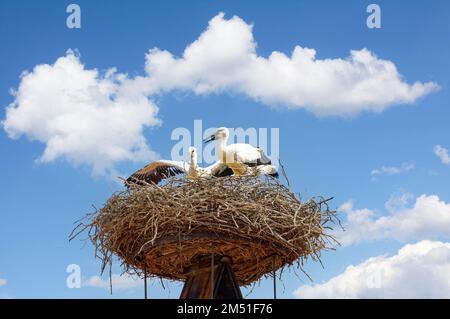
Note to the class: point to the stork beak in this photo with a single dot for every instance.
(209, 139)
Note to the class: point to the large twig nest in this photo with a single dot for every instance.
(166, 229)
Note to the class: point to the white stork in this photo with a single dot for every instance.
(161, 169)
(243, 159)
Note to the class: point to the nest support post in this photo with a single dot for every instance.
(211, 278)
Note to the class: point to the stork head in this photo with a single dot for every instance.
(222, 133)
(193, 154)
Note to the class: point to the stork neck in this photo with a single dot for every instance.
(193, 161)
(221, 145)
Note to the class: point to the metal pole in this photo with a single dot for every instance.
(145, 283)
(110, 276)
(212, 271)
(274, 278)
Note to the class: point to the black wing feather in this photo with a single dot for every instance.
(262, 160)
(226, 171)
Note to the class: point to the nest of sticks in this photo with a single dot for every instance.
(166, 229)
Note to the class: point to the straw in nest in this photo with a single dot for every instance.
(166, 229)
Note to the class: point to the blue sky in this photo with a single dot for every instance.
(330, 154)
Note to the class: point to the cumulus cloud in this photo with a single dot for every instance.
(3, 282)
(428, 218)
(81, 115)
(119, 282)
(420, 270)
(98, 118)
(224, 58)
(442, 153)
(392, 170)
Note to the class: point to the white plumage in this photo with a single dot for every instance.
(241, 157)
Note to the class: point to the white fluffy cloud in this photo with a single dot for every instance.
(442, 153)
(428, 218)
(420, 270)
(391, 170)
(86, 117)
(3, 282)
(224, 58)
(119, 282)
(81, 115)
